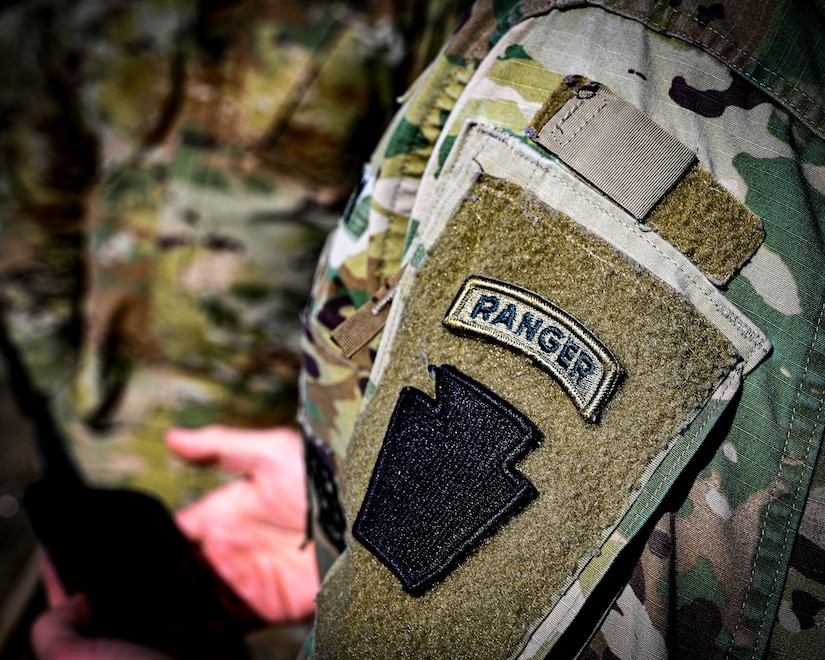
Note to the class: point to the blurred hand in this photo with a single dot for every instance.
(55, 593)
(58, 635)
(253, 530)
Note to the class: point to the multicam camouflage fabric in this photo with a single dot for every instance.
(169, 171)
(733, 562)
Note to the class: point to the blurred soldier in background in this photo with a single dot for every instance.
(169, 170)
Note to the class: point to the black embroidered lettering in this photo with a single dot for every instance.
(526, 323)
(485, 306)
(583, 367)
(507, 316)
(567, 353)
(553, 344)
(529, 330)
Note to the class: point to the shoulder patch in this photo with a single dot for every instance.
(444, 481)
(526, 323)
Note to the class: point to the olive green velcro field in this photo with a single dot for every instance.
(708, 225)
(516, 249)
(618, 149)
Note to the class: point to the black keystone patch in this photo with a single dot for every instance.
(444, 481)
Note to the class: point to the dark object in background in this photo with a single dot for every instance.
(145, 584)
(145, 580)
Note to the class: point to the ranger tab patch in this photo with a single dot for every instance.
(527, 323)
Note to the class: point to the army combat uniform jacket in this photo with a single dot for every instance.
(563, 374)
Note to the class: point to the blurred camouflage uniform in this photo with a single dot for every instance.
(169, 171)
(714, 546)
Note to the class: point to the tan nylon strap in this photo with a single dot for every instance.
(354, 333)
(616, 147)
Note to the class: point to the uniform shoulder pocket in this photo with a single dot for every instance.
(548, 369)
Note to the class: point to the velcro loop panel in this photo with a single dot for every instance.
(708, 225)
(618, 149)
(584, 473)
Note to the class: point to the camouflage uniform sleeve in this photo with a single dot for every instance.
(728, 563)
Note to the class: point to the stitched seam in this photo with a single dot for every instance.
(436, 99)
(786, 539)
(580, 128)
(674, 466)
(739, 325)
(730, 62)
(798, 486)
(752, 60)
